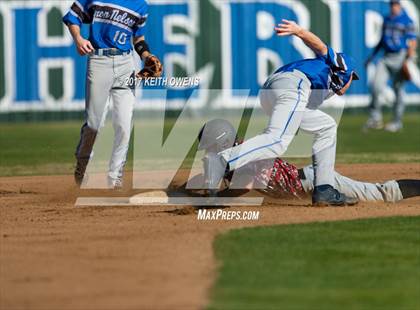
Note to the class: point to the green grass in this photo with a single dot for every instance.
(37, 148)
(47, 148)
(352, 140)
(363, 264)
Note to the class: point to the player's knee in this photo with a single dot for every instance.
(123, 134)
(377, 88)
(333, 128)
(125, 137)
(273, 134)
(330, 126)
(378, 85)
(329, 131)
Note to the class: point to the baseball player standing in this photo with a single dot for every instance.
(287, 97)
(399, 43)
(115, 26)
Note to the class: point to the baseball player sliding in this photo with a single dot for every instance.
(399, 43)
(280, 179)
(115, 26)
(290, 97)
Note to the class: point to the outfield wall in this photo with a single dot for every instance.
(228, 44)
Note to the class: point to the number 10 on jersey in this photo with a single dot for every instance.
(120, 37)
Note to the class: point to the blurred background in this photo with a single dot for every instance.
(229, 45)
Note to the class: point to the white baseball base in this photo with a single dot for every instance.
(154, 197)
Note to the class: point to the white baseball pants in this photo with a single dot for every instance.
(388, 67)
(106, 81)
(285, 98)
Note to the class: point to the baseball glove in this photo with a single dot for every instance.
(152, 68)
(282, 180)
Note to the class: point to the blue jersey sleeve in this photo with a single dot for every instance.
(78, 13)
(140, 28)
(331, 58)
(411, 33)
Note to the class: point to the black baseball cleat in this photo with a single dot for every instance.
(328, 196)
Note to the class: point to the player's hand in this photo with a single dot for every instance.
(287, 28)
(84, 47)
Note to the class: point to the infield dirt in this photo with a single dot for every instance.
(56, 256)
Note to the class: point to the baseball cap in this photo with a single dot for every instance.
(349, 65)
(343, 70)
(395, 2)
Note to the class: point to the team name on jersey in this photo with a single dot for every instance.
(108, 13)
(115, 15)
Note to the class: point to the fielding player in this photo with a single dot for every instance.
(115, 25)
(290, 97)
(280, 179)
(399, 43)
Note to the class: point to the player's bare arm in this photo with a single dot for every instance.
(343, 90)
(84, 47)
(287, 28)
(412, 47)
